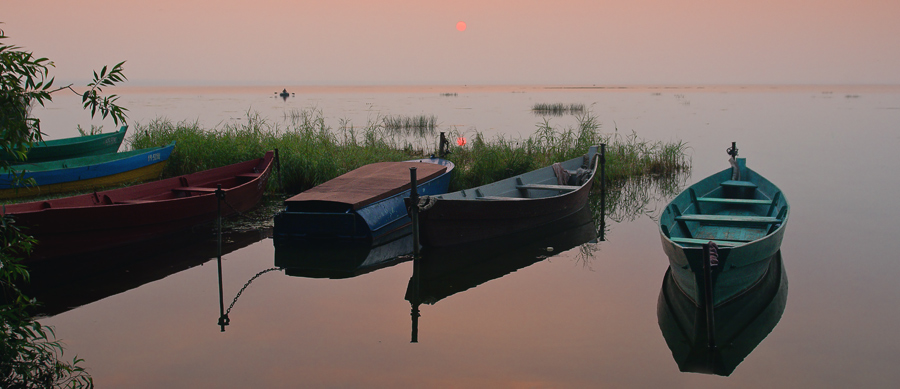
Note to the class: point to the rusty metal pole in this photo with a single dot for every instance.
(220, 196)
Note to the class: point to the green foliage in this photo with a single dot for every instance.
(30, 357)
(91, 99)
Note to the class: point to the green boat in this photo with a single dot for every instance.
(739, 217)
(80, 146)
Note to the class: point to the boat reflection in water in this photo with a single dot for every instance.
(740, 324)
(64, 284)
(313, 260)
(443, 271)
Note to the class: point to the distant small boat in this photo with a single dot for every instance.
(284, 93)
(104, 220)
(80, 146)
(85, 173)
(365, 205)
(740, 211)
(740, 324)
(518, 203)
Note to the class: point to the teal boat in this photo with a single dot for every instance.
(81, 146)
(740, 216)
(85, 173)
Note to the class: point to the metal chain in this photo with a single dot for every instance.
(247, 285)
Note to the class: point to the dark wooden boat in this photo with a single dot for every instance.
(84, 173)
(504, 207)
(364, 205)
(113, 218)
(738, 210)
(80, 146)
(739, 325)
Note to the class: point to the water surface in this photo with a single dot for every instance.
(584, 317)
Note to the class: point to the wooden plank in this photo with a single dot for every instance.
(194, 189)
(704, 241)
(500, 198)
(548, 187)
(738, 184)
(733, 201)
(729, 219)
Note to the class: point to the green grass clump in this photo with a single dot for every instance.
(411, 125)
(488, 161)
(310, 152)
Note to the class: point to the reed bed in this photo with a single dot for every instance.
(557, 109)
(626, 156)
(312, 153)
(420, 125)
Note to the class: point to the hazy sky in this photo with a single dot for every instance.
(404, 42)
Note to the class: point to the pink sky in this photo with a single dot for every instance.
(414, 42)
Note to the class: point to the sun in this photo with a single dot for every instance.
(461, 26)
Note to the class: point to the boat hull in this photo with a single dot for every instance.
(67, 148)
(363, 223)
(120, 217)
(500, 209)
(87, 173)
(740, 325)
(740, 263)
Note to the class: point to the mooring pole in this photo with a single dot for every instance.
(414, 210)
(220, 196)
(414, 216)
(602, 192)
(708, 254)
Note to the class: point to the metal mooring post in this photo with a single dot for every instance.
(414, 210)
(220, 196)
(603, 192)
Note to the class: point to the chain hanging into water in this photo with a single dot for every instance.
(245, 287)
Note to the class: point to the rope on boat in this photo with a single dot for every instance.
(426, 202)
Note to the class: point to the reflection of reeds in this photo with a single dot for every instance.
(557, 109)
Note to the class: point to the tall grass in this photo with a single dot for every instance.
(312, 153)
(626, 156)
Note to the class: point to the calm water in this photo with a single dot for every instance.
(585, 317)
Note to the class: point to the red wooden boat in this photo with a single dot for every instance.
(103, 220)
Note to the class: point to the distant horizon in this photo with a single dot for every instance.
(407, 42)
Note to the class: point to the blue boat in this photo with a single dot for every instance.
(365, 205)
(84, 173)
